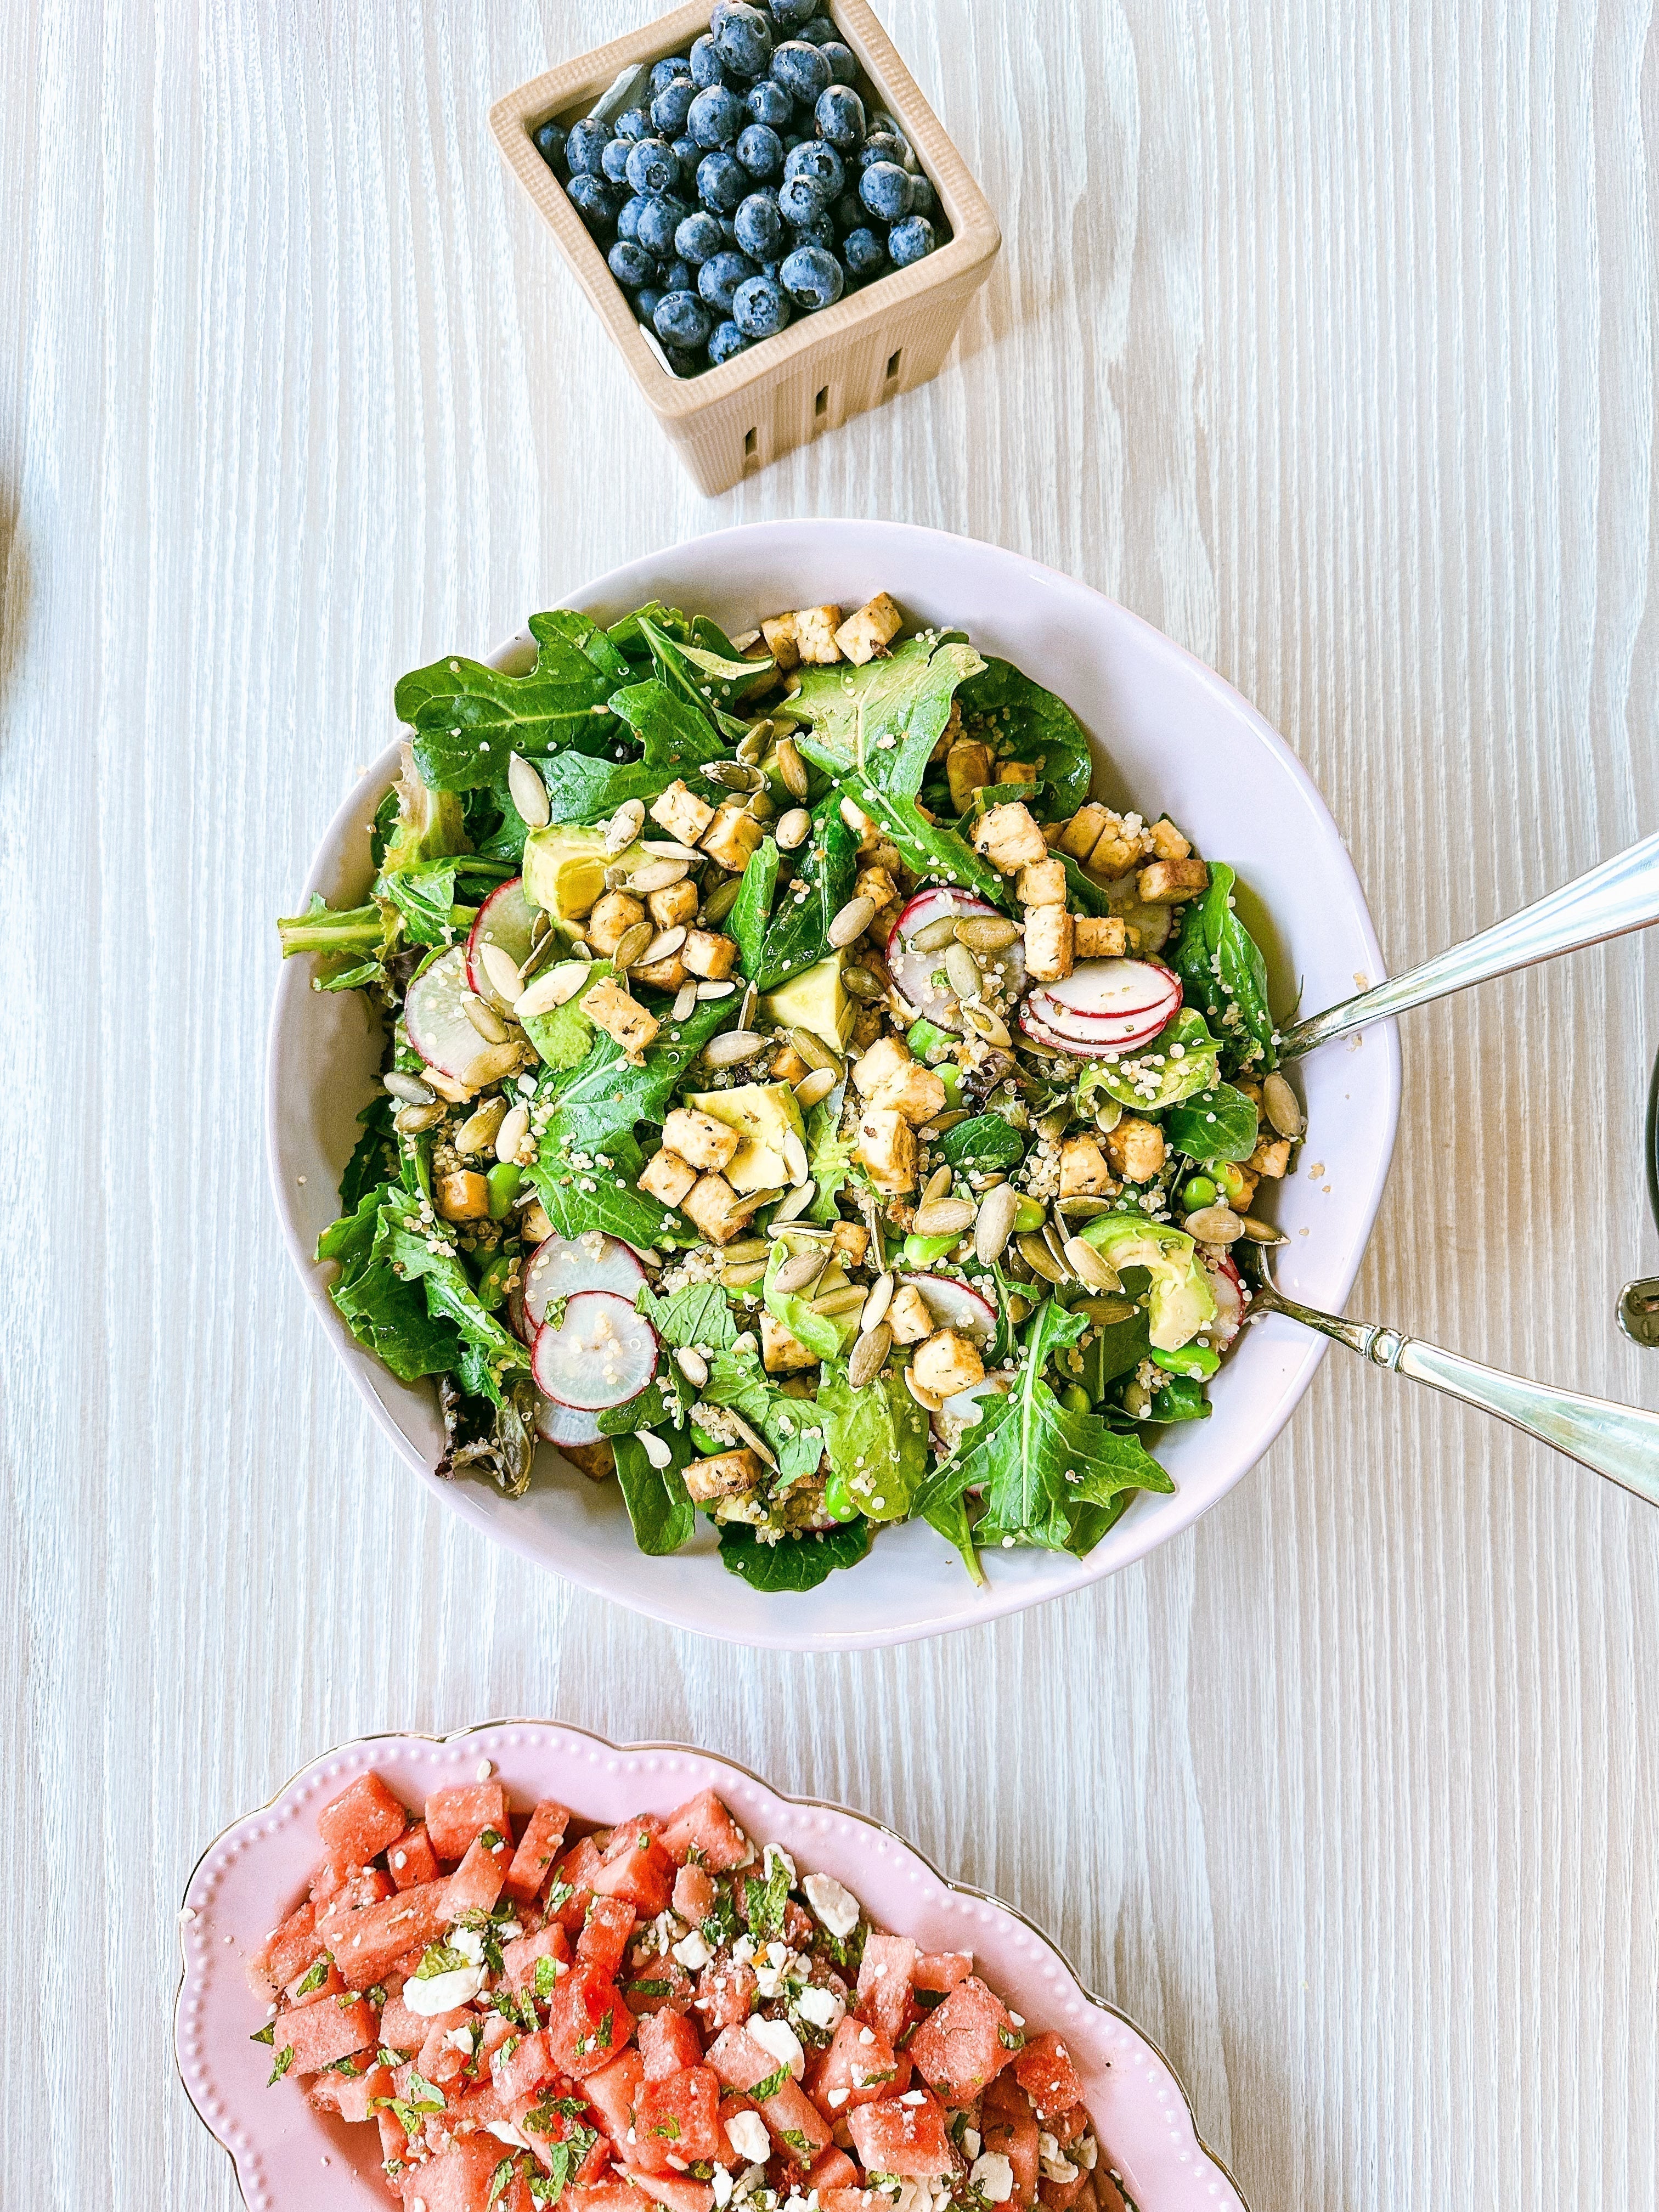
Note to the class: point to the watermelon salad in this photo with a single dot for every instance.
(802, 1104)
(531, 2011)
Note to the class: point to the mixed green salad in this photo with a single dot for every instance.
(802, 1104)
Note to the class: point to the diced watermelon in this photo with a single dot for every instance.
(456, 1814)
(703, 1822)
(1004, 2097)
(739, 2061)
(964, 2044)
(608, 2195)
(524, 2068)
(854, 2199)
(668, 2041)
(539, 1847)
(831, 2169)
(796, 2123)
(727, 1994)
(1016, 2138)
(365, 1944)
(401, 2028)
(458, 2180)
(886, 1975)
(680, 2193)
(613, 2091)
(538, 2120)
(604, 1936)
(1061, 2196)
(658, 1983)
(319, 2034)
(855, 2070)
(394, 2144)
(288, 1950)
(681, 2112)
(903, 2138)
(799, 1929)
(943, 1970)
(358, 1825)
(329, 1879)
(642, 1871)
(575, 1872)
(1044, 2069)
(518, 1957)
(438, 2059)
(357, 2094)
(694, 1894)
(411, 1860)
(477, 1883)
(587, 2022)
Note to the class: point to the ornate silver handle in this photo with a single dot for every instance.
(1622, 894)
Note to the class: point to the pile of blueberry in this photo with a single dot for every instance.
(752, 185)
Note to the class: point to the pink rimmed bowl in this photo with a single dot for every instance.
(1169, 733)
(289, 2159)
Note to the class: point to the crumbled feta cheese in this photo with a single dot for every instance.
(993, 2177)
(781, 2040)
(504, 2131)
(743, 1950)
(469, 1942)
(914, 2097)
(821, 2009)
(746, 2133)
(461, 2038)
(972, 2141)
(436, 1993)
(720, 2182)
(693, 1953)
(1053, 2161)
(837, 1907)
(775, 1857)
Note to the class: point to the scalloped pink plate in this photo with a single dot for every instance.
(289, 2159)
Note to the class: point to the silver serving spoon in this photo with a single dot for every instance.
(1639, 1312)
(1620, 1442)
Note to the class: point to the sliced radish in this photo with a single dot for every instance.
(505, 919)
(1229, 1287)
(1086, 1034)
(953, 1305)
(564, 1267)
(564, 1424)
(1107, 990)
(602, 1353)
(435, 1014)
(1035, 1030)
(912, 970)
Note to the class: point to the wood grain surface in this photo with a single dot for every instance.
(1324, 336)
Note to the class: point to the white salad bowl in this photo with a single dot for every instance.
(1169, 735)
(286, 2155)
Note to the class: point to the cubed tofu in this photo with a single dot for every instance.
(622, 1017)
(661, 975)
(1014, 771)
(732, 838)
(908, 1315)
(1270, 1159)
(1135, 1148)
(815, 634)
(727, 1474)
(888, 1057)
(668, 1177)
(875, 884)
(535, 1223)
(463, 1196)
(780, 1352)
(707, 1144)
(1049, 944)
(1117, 848)
(1100, 937)
(676, 904)
(1010, 839)
(886, 1150)
(1085, 831)
(861, 825)
(915, 1091)
(1083, 1169)
(862, 635)
(610, 920)
(967, 769)
(708, 956)
(780, 635)
(1166, 882)
(787, 1066)
(1041, 882)
(597, 1462)
(1052, 834)
(681, 814)
(850, 1242)
(947, 1363)
(1167, 841)
(716, 1209)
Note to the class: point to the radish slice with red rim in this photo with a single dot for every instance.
(1039, 1035)
(1107, 990)
(954, 1305)
(505, 919)
(564, 1424)
(602, 1353)
(563, 1266)
(1229, 1287)
(435, 1014)
(912, 970)
(1088, 1034)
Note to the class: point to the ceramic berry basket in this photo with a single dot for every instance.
(288, 2157)
(784, 391)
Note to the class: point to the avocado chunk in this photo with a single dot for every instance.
(1181, 1301)
(815, 1000)
(762, 1114)
(564, 869)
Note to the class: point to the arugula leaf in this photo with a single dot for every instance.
(676, 740)
(798, 937)
(1117, 1350)
(450, 1296)
(928, 848)
(753, 908)
(1219, 1124)
(425, 898)
(797, 1563)
(374, 1156)
(695, 675)
(657, 1403)
(576, 1200)
(877, 1439)
(698, 1315)
(389, 1317)
(884, 718)
(1221, 967)
(949, 1518)
(658, 1506)
(987, 1142)
(336, 930)
(792, 1426)
(607, 1096)
(1025, 722)
(468, 718)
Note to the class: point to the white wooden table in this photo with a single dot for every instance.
(1324, 338)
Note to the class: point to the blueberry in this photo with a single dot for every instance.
(761, 309)
(634, 125)
(727, 340)
(688, 154)
(678, 275)
(822, 233)
(723, 184)
(840, 117)
(549, 145)
(802, 201)
(717, 115)
(728, 224)
(760, 226)
(593, 200)
(885, 191)
(770, 104)
(613, 162)
(923, 200)
(698, 238)
(882, 146)
(646, 303)
(819, 31)
(813, 277)
(685, 360)
(707, 67)
(848, 213)
(820, 164)
(682, 319)
(843, 69)
(584, 150)
(671, 105)
(673, 69)
(744, 39)
(761, 150)
(718, 280)
(863, 253)
(794, 139)
(628, 221)
(794, 12)
(801, 70)
(631, 266)
(910, 240)
(658, 222)
(651, 167)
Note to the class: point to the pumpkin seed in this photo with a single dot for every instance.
(1083, 1209)
(501, 972)
(735, 1047)
(792, 768)
(686, 1001)
(875, 1305)
(747, 1248)
(664, 848)
(779, 1227)
(1052, 1125)
(746, 1011)
(794, 829)
(1284, 1108)
(941, 1122)
(869, 1355)
(657, 875)
(733, 775)
(692, 1365)
(655, 1449)
(1056, 1244)
(486, 1022)
(723, 989)
(850, 924)
(408, 1088)
(1263, 1232)
(1086, 1264)
(795, 1274)
(753, 746)
(1039, 1259)
(550, 990)
(796, 1204)
(989, 1028)
(478, 1132)
(938, 1185)
(813, 1049)
(662, 947)
(409, 1120)
(1105, 1312)
(945, 1217)
(1018, 1308)
(539, 928)
(935, 937)
(632, 946)
(740, 1277)
(720, 900)
(1214, 1225)
(925, 1398)
(528, 791)
(865, 987)
(515, 1127)
(848, 1300)
(795, 1158)
(995, 1223)
(624, 826)
(754, 1439)
(1107, 1115)
(810, 1088)
(963, 971)
(760, 805)
(985, 933)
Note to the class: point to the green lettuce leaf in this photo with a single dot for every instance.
(985, 1142)
(700, 1315)
(388, 1316)
(578, 1199)
(797, 1563)
(792, 1426)
(1222, 970)
(825, 1335)
(885, 718)
(1156, 1078)
(1217, 1124)
(607, 1096)
(1022, 721)
(799, 935)
(752, 910)
(658, 1506)
(877, 1439)
(469, 719)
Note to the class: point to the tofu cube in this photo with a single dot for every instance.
(888, 1057)
(674, 905)
(787, 1066)
(661, 975)
(597, 1462)
(850, 1243)
(1042, 883)
(707, 1144)
(1099, 940)
(913, 1090)
(681, 814)
(967, 768)
(1010, 839)
(815, 634)
(1083, 1169)
(537, 1226)
(780, 635)
(622, 1017)
(1167, 841)
(1135, 1148)
(1049, 944)
(732, 838)
(463, 1196)
(715, 1208)
(1117, 848)
(708, 956)
(780, 1352)
(862, 635)
(727, 1474)
(886, 1150)
(1167, 883)
(610, 920)
(908, 1316)
(1052, 834)
(875, 884)
(947, 1363)
(1270, 1158)
(668, 1177)
(1085, 831)
(1012, 771)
